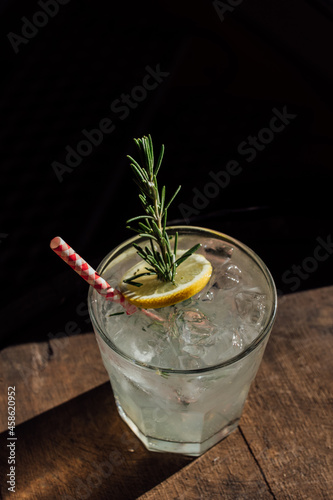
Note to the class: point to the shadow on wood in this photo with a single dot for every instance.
(82, 449)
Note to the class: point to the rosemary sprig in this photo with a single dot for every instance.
(159, 255)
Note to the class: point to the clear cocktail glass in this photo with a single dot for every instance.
(181, 377)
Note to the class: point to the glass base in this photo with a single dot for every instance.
(183, 448)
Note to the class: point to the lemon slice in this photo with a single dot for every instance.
(192, 276)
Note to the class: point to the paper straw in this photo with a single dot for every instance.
(79, 265)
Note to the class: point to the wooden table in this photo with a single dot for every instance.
(71, 442)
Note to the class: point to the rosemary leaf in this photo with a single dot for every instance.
(134, 162)
(152, 225)
(165, 220)
(135, 276)
(148, 251)
(141, 174)
(174, 196)
(151, 211)
(162, 200)
(175, 246)
(187, 254)
(133, 283)
(144, 235)
(140, 217)
(143, 227)
(157, 229)
(159, 161)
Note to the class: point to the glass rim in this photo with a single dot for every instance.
(266, 329)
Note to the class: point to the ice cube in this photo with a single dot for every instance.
(190, 391)
(141, 350)
(207, 295)
(222, 251)
(189, 362)
(197, 329)
(230, 277)
(170, 326)
(209, 356)
(198, 334)
(237, 338)
(250, 306)
(193, 350)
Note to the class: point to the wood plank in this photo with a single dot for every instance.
(227, 471)
(288, 418)
(82, 449)
(47, 374)
(282, 449)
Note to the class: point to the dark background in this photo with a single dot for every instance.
(228, 69)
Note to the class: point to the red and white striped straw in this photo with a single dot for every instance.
(68, 255)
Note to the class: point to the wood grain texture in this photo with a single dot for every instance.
(47, 374)
(287, 421)
(227, 471)
(82, 449)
